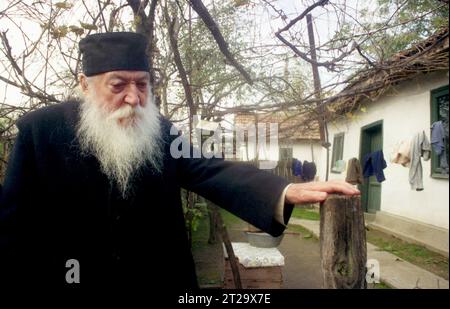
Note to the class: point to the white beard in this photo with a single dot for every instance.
(121, 150)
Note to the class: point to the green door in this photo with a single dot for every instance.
(371, 140)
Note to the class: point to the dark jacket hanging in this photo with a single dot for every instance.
(354, 172)
(309, 171)
(374, 164)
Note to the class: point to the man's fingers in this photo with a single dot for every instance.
(313, 192)
(344, 187)
(337, 186)
(314, 196)
(300, 196)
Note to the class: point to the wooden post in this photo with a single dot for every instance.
(213, 211)
(234, 262)
(343, 250)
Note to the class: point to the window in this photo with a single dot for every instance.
(439, 112)
(338, 150)
(285, 154)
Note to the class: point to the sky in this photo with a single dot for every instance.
(265, 20)
(325, 19)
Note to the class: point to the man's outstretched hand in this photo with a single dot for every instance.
(313, 192)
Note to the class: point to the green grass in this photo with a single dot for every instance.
(413, 253)
(201, 235)
(229, 219)
(206, 256)
(380, 285)
(302, 213)
(306, 234)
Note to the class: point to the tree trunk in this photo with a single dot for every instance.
(343, 243)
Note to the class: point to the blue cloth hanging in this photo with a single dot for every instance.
(374, 164)
(296, 167)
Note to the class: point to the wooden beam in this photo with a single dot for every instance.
(343, 250)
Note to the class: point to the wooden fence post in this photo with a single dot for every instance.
(343, 250)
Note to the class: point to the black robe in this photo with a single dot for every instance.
(57, 205)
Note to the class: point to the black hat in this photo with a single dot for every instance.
(114, 51)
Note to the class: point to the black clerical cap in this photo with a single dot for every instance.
(114, 51)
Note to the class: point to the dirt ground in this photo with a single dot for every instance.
(302, 260)
(302, 268)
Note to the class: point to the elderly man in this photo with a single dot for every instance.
(91, 185)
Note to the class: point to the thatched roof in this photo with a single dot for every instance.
(369, 84)
(427, 56)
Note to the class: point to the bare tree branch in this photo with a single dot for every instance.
(151, 39)
(202, 11)
(10, 82)
(8, 53)
(181, 70)
(302, 15)
(330, 65)
(25, 83)
(142, 20)
(101, 14)
(358, 48)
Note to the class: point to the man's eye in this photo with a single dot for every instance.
(117, 86)
(142, 85)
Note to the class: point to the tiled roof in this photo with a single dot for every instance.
(290, 127)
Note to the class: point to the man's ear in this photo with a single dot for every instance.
(83, 82)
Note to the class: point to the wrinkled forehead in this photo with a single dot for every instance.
(128, 76)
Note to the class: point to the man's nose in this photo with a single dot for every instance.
(132, 95)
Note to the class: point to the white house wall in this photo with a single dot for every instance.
(405, 111)
(267, 151)
(302, 151)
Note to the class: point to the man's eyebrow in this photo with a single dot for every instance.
(118, 76)
(115, 76)
(144, 77)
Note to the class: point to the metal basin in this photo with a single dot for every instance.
(263, 240)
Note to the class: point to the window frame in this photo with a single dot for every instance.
(338, 137)
(434, 94)
(285, 149)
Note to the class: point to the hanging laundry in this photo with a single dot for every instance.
(309, 171)
(401, 153)
(420, 148)
(354, 172)
(339, 166)
(296, 167)
(374, 164)
(438, 143)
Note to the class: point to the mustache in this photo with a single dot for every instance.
(126, 111)
(122, 151)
